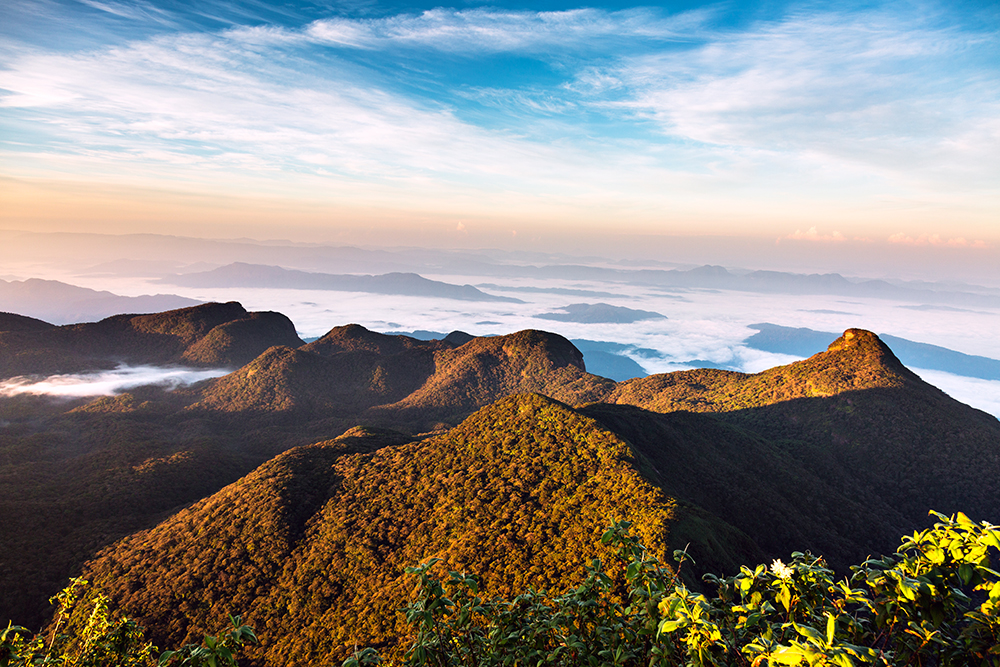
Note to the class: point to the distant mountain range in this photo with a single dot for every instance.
(61, 303)
(294, 489)
(240, 274)
(147, 253)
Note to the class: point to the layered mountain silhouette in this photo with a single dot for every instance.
(62, 303)
(241, 274)
(502, 455)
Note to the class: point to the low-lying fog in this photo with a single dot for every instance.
(107, 383)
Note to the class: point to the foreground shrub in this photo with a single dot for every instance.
(86, 633)
(933, 602)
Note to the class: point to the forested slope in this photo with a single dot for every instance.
(312, 545)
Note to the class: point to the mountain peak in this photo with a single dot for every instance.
(866, 351)
(855, 337)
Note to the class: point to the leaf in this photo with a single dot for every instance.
(668, 626)
(785, 598)
(788, 655)
(991, 538)
(809, 633)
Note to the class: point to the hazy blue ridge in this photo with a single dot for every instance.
(550, 290)
(600, 313)
(613, 366)
(767, 282)
(61, 303)
(240, 274)
(804, 342)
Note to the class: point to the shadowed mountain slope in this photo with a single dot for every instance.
(214, 334)
(486, 369)
(854, 418)
(15, 322)
(311, 546)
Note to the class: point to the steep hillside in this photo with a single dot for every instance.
(214, 334)
(857, 360)
(854, 418)
(486, 369)
(345, 372)
(758, 484)
(311, 546)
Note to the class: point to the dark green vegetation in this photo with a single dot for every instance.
(211, 500)
(311, 547)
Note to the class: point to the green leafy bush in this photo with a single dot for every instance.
(933, 602)
(86, 633)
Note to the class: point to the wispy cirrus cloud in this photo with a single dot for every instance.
(192, 106)
(630, 113)
(888, 93)
(488, 30)
(936, 240)
(135, 10)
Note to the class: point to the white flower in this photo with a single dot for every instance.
(781, 570)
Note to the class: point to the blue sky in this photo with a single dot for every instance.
(461, 123)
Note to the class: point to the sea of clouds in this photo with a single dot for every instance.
(701, 324)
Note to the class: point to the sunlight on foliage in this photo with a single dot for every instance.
(933, 602)
(86, 633)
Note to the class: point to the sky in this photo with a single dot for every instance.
(852, 128)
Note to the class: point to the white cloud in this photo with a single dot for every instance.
(813, 234)
(107, 383)
(483, 30)
(881, 92)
